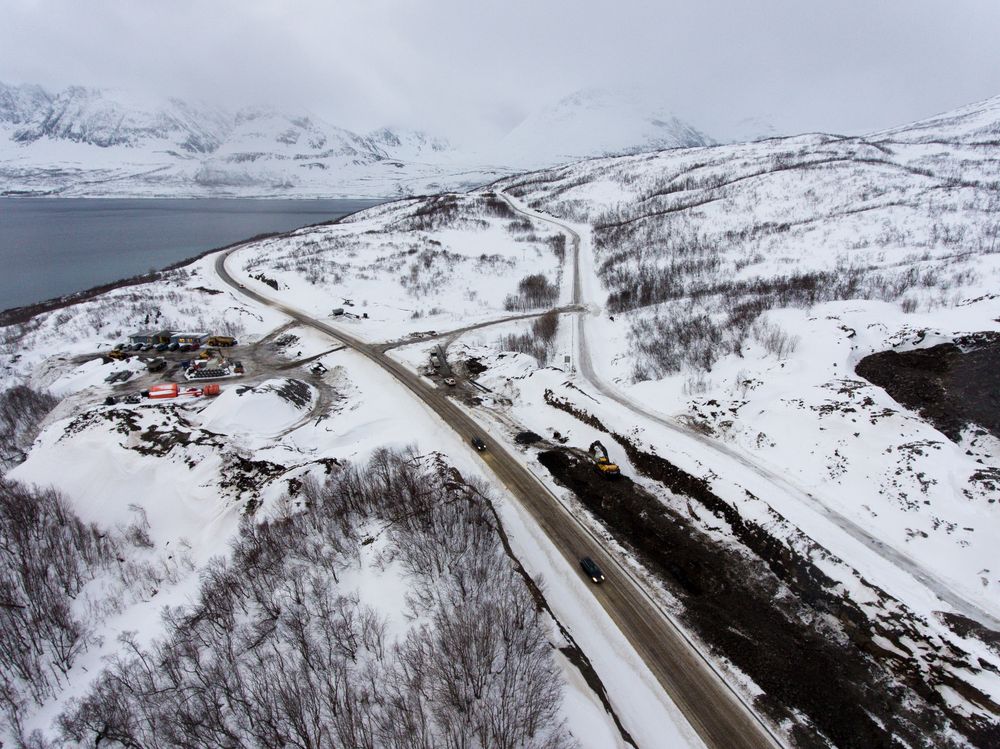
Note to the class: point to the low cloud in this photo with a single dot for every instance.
(470, 70)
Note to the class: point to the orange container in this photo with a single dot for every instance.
(211, 389)
(167, 390)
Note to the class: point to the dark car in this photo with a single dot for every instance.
(592, 570)
(174, 346)
(161, 347)
(477, 442)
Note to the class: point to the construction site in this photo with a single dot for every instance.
(190, 365)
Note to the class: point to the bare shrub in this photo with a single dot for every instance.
(533, 291)
(538, 342)
(774, 340)
(21, 411)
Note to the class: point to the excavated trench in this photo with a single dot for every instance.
(773, 613)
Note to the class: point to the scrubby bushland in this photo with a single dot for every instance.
(59, 578)
(707, 240)
(21, 411)
(277, 653)
(533, 291)
(47, 557)
(704, 311)
(406, 247)
(538, 342)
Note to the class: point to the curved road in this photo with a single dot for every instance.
(932, 582)
(711, 707)
(451, 334)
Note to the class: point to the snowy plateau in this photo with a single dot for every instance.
(789, 347)
(91, 142)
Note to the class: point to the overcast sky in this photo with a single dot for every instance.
(468, 68)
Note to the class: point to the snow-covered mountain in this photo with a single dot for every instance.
(409, 144)
(107, 119)
(596, 122)
(88, 141)
(91, 141)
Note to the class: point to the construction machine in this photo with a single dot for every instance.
(602, 464)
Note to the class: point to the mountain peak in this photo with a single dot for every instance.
(597, 122)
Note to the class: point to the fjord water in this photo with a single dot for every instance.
(50, 247)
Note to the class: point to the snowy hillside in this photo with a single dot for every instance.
(788, 347)
(90, 142)
(125, 519)
(737, 291)
(595, 122)
(412, 266)
(973, 125)
(741, 286)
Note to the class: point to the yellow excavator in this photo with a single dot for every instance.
(602, 464)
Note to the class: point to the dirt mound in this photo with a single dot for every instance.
(951, 385)
(474, 366)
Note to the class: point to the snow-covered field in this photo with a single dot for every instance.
(411, 266)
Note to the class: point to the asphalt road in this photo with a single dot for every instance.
(712, 708)
(725, 454)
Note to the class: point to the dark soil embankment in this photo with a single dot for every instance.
(951, 385)
(731, 602)
(771, 611)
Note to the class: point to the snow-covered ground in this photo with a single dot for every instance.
(181, 476)
(730, 291)
(411, 266)
(895, 250)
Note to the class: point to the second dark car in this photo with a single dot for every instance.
(592, 570)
